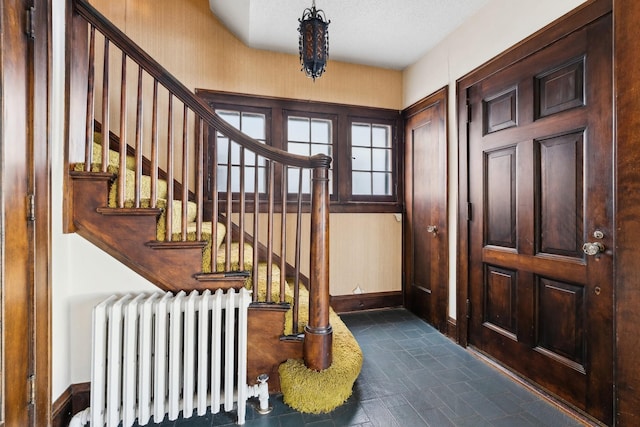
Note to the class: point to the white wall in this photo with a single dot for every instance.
(496, 27)
(94, 274)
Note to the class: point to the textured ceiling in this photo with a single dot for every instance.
(384, 33)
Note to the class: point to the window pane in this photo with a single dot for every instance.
(361, 158)
(235, 153)
(253, 125)
(221, 178)
(320, 149)
(381, 160)
(320, 131)
(298, 129)
(223, 149)
(381, 136)
(382, 184)
(298, 148)
(231, 117)
(360, 135)
(361, 183)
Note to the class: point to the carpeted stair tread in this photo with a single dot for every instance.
(129, 193)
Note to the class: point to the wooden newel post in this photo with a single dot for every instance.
(318, 334)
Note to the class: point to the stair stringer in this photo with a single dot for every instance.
(126, 235)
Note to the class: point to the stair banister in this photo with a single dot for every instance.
(318, 332)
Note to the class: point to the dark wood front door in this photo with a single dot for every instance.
(541, 231)
(426, 236)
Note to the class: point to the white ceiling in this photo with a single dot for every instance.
(383, 33)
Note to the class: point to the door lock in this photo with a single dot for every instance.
(432, 229)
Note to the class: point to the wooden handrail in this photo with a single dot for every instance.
(318, 332)
(181, 92)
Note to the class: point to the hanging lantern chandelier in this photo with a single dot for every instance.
(314, 41)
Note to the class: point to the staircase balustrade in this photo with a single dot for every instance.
(164, 132)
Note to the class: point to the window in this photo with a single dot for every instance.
(307, 137)
(362, 142)
(371, 160)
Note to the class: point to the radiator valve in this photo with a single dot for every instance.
(261, 391)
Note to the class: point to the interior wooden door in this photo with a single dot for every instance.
(540, 231)
(426, 234)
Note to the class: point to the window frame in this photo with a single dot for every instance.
(277, 111)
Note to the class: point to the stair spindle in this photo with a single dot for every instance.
(105, 107)
(123, 132)
(138, 167)
(169, 207)
(185, 171)
(154, 148)
(90, 101)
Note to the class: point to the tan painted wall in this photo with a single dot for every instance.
(190, 42)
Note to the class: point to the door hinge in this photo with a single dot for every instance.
(30, 22)
(468, 113)
(469, 211)
(32, 389)
(31, 207)
(468, 308)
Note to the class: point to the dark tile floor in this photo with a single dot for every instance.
(412, 376)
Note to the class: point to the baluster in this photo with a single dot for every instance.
(185, 171)
(200, 178)
(229, 200)
(154, 148)
(138, 167)
(270, 184)
(169, 207)
(90, 101)
(214, 201)
(122, 169)
(296, 282)
(283, 234)
(256, 212)
(241, 211)
(105, 107)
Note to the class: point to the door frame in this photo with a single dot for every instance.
(26, 282)
(572, 21)
(438, 98)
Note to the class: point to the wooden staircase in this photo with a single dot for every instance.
(165, 243)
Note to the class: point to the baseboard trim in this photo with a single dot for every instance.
(73, 400)
(368, 301)
(452, 329)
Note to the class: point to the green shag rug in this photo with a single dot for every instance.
(303, 389)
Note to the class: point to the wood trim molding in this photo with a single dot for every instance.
(368, 301)
(73, 400)
(627, 210)
(452, 329)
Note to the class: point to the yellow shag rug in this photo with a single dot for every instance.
(303, 389)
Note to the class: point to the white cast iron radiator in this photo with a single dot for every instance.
(157, 354)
